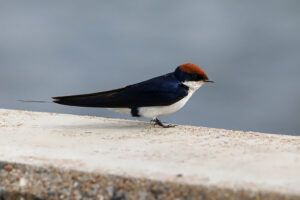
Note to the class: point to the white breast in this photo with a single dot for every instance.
(157, 111)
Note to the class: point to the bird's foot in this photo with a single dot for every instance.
(159, 123)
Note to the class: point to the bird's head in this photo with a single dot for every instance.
(191, 75)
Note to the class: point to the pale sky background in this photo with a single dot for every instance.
(250, 48)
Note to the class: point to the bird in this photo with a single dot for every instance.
(150, 99)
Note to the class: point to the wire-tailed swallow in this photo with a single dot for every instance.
(151, 99)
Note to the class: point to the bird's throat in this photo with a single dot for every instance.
(193, 85)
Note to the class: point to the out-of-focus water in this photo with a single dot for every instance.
(251, 49)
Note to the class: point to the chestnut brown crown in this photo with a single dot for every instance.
(191, 72)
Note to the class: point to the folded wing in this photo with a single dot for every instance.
(160, 91)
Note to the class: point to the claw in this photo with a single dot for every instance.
(159, 123)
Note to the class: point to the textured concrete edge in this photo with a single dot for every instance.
(20, 181)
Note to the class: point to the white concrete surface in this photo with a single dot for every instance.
(223, 158)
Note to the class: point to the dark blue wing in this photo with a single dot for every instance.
(160, 91)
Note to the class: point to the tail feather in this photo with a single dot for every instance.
(33, 101)
(100, 99)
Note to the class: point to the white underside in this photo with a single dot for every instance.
(157, 111)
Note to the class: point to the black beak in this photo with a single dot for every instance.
(209, 81)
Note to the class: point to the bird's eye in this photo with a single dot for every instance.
(195, 76)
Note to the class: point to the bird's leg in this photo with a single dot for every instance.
(159, 123)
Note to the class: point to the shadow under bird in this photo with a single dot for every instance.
(151, 99)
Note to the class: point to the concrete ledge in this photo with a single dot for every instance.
(31, 182)
(56, 156)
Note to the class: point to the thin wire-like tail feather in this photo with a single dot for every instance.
(33, 101)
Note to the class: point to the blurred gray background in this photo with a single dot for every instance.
(250, 48)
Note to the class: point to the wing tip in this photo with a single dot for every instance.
(60, 97)
(57, 100)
